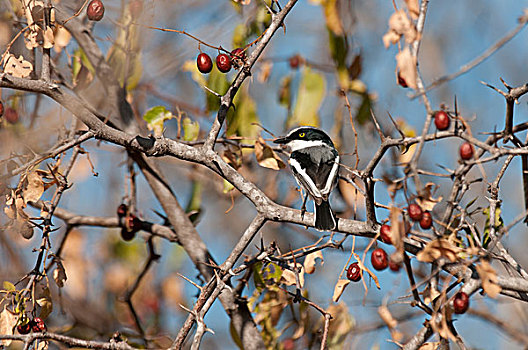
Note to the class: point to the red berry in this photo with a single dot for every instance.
(122, 210)
(223, 63)
(238, 56)
(295, 61)
(354, 272)
(11, 115)
(1, 108)
(441, 120)
(427, 220)
(466, 151)
(402, 81)
(460, 303)
(204, 63)
(37, 325)
(394, 266)
(385, 234)
(415, 212)
(288, 344)
(24, 328)
(379, 259)
(95, 10)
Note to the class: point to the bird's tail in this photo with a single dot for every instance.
(325, 219)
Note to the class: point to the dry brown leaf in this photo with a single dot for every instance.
(8, 322)
(413, 7)
(400, 25)
(49, 38)
(387, 317)
(430, 346)
(425, 199)
(243, 2)
(371, 274)
(310, 261)
(339, 289)
(266, 157)
(441, 327)
(34, 188)
(397, 231)
(430, 294)
(45, 303)
(488, 277)
(406, 67)
(62, 38)
(439, 248)
(42, 345)
(17, 67)
(265, 71)
(288, 276)
(59, 274)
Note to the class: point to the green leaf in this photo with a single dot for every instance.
(339, 51)
(8, 286)
(194, 205)
(190, 129)
(125, 54)
(310, 95)
(285, 91)
(155, 117)
(227, 186)
(363, 112)
(499, 223)
(241, 120)
(217, 81)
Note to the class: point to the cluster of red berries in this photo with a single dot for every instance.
(36, 325)
(224, 62)
(95, 10)
(379, 260)
(130, 223)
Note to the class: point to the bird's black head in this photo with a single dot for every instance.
(305, 133)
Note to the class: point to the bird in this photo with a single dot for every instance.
(314, 162)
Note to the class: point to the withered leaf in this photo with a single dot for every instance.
(59, 274)
(406, 67)
(488, 277)
(17, 67)
(45, 303)
(266, 157)
(387, 317)
(310, 261)
(8, 322)
(288, 276)
(439, 248)
(265, 71)
(426, 199)
(413, 7)
(34, 188)
(339, 289)
(399, 25)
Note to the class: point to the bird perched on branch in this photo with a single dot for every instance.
(315, 164)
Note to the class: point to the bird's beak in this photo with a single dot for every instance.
(281, 140)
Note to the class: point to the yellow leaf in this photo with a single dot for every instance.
(333, 21)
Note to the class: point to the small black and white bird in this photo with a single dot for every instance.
(315, 165)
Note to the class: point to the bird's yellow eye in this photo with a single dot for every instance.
(301, 134)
